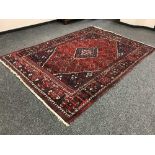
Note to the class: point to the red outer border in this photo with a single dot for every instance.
(107, 88)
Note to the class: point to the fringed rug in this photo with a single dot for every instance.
(69, 73)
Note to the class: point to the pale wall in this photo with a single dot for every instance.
(140, 22)
(9, 24)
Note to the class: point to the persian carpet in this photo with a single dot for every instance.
(69, 73)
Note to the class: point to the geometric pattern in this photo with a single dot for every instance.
(71, 72)
(86, 52)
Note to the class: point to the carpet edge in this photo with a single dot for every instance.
(123, 36)
(37, 96)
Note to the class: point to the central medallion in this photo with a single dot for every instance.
(86, 52)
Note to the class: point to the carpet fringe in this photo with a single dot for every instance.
(36, 95)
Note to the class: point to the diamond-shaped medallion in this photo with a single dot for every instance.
(86, 52)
